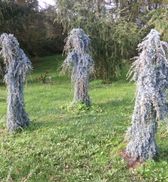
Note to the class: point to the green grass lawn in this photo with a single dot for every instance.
(65, 146)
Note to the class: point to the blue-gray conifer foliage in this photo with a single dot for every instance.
(17, 65)
(79, 63)
(150, 72)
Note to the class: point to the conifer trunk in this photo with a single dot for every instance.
(142, 143)
(81, 88)
(17, 118)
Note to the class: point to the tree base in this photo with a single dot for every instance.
(15, 126)
(131, 162)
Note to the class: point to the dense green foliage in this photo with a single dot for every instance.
(112, 41)
(35, 30)
(115, 33)
(158, 19)
(74, 147)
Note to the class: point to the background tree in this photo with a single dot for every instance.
(158, 19)
(113, 41)
(116, 27)
(81, 63)
(150, 72)
(34, 27)
(17, 65)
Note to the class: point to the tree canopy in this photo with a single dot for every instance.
(34, 28)
(116, 27)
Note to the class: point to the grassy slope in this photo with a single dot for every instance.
(63, 146)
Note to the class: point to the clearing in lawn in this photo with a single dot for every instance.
(67, 145)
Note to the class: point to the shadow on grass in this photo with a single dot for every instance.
(163, 154)
(38, 124)
(117, 103)
(2, 99)
(50, 80)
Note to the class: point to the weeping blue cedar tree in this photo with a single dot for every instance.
(80, 63)
(17, 66)
(150, 72)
